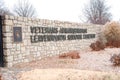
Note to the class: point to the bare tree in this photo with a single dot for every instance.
(25, 9)
(97, 12)
(3, 9)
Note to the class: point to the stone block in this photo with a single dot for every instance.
(20, 18)
(15, 21)
(18, 47)
(4, 29)
(39, 48)
(29, 19)
(7, 29)
(23, 49)
(9, 64)
(12, 52)
(7, 40)
(36, 48)
(24, 27)
(8, 22)
(38, 54)
(20, 56)
(13, 49)
(7, 52)
(6, 17)
(15, 57)
(30, 23)
(17, 52)
(25, 42)
(8, 58)
(25, 19)
(19, 23)
(7, 34)
(26, 60)
(14, 62)
(7, 46)
(11, 17)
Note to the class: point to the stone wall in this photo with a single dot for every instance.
(26, 50)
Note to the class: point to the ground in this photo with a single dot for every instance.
(90, 61)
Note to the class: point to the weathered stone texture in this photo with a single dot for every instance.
(26, 51)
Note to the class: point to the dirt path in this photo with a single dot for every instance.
(95, 60)
(89, 61)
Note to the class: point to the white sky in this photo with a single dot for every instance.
(65, 10)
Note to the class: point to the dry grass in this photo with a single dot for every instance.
(71, 54)
(97, 46)
(67, 74)
(108, 37)
(111, 33)
(115, 59)
(96, 64)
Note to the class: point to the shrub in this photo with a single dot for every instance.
(111, 33)
(115, 59)
(97, 46)
(72, 55)
(108, 37)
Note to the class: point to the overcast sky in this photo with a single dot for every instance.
(65, 10)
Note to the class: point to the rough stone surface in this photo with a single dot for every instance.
(26, 51)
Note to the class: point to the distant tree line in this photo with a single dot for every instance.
(22, 8)
(97, 12)
(4, 10)
(25, 8)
